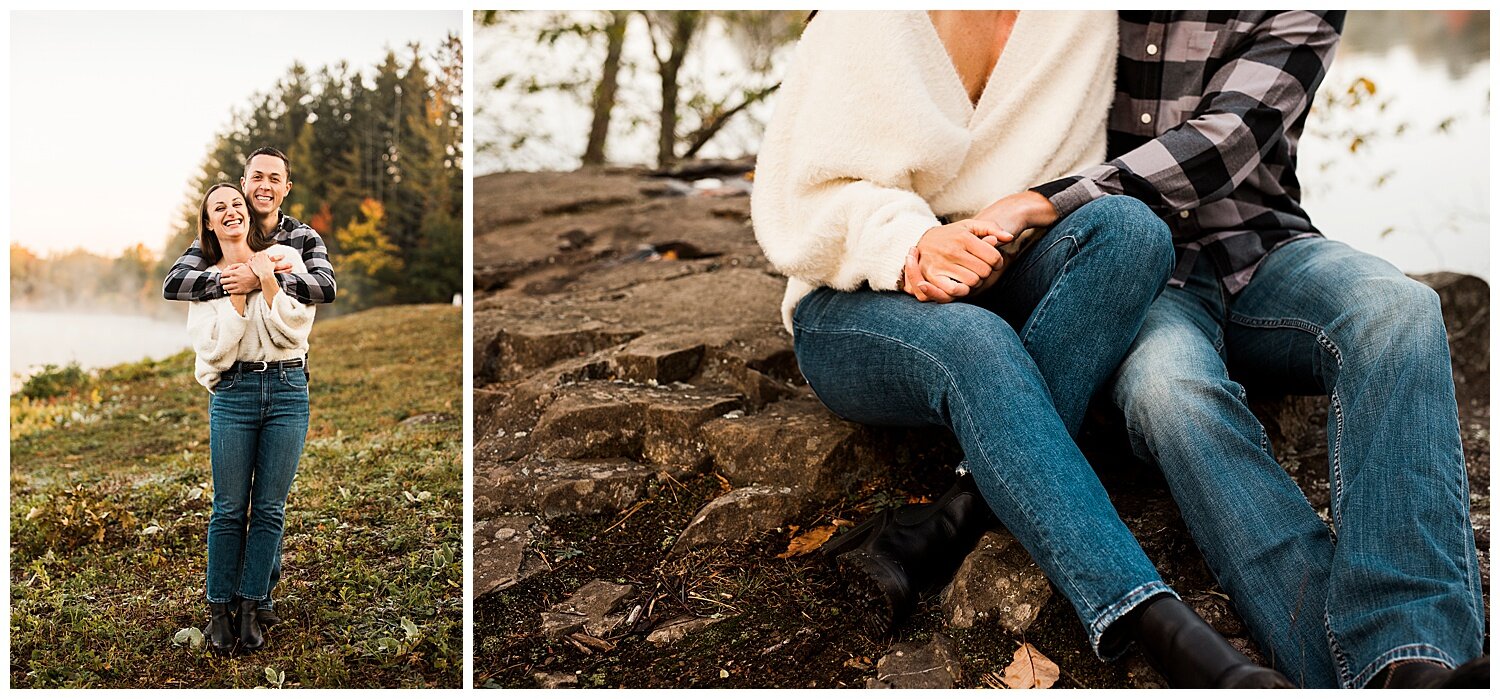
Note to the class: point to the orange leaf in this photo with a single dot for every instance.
(808, 541)
(1030, 670)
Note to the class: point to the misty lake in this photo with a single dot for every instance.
(93, 340)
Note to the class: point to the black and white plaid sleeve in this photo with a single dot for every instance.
(1248, 105)
(317, 284)
(188, 279)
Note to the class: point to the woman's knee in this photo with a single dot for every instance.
(1137, 239)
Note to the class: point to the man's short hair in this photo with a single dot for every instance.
(267, 150)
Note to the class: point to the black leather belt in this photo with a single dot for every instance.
(263, 367)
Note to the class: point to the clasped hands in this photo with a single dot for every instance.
(963, 257)
(242, 278)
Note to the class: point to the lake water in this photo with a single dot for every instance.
(1413, 189)
(92, 340)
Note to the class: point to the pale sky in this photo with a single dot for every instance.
(88, 88)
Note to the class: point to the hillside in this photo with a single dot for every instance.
(110, 495)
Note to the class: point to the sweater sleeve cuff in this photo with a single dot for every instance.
(1069, 193)
(888, 259)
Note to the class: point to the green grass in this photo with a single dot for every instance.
(110, 495)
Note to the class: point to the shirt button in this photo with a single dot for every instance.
(1183, 214)
(1145, 118)
(1150, 49)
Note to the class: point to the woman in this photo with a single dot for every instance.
(892, 134)
(252, 357)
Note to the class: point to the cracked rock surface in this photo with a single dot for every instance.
(646, 452)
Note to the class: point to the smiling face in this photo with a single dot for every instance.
(266, 183)
(224, 213)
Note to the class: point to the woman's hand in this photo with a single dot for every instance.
(265, 270)
(955, 260)
(263, 266)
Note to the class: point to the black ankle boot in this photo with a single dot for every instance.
(890, 560)
(1423, 674)
(251, 638)
(220, 629)
(1190, 654)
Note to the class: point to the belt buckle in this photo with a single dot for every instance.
(264, 366)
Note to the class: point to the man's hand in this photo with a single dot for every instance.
(239, 279)
(1020, 211)
(954, 260)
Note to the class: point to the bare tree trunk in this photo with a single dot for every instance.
(683, 25)
(604, 93)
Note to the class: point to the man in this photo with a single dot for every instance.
(266, 182)
(1204, 130)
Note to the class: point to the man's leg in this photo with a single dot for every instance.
(1078, 296)
(1265, 544)
(1403, 583)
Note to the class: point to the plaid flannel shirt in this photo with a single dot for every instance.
(188, 280)
(1208, 109)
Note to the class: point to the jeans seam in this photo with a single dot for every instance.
(1335, 466)
(1062, 277)
(1410, 651)
(1020, 503)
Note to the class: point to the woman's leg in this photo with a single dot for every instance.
(281, 438)
(1078, 296)
(234, 416)
(887, 359)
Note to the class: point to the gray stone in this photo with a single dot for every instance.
(739, 514)
(997, 582)
(593, 420)
(659, 359)
(555, 680)
(792, 443)
(678, 629)
(933, 665)
(589, 609)
(674, 438)
(553, 488)
(500, 552)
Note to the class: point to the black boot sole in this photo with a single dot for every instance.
(878, 593)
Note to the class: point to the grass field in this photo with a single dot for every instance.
(110, 495)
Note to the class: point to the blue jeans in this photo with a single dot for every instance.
(1396, 576)
(1011, 374)
(257, 425)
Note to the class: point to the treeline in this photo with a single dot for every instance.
(587, 54)
(83, 281)
(377, 170)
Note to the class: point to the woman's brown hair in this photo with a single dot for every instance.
(209, 242)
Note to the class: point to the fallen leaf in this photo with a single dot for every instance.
(1030, 670)
(918, 500)
(808, 541)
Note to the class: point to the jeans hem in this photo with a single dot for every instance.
(211, 600)
(261, 598)
(1114, 612)
(1414, 651)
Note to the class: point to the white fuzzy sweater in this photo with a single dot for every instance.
(221, 336)
(874, 136)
